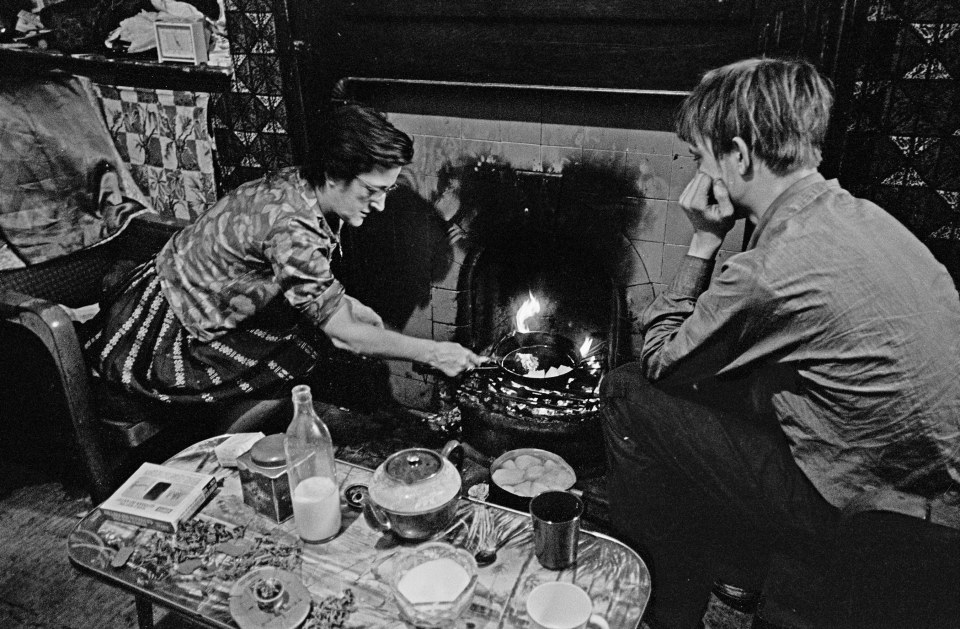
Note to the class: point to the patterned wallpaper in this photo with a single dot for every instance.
(902, 148)
(250, 122)
(186, 149)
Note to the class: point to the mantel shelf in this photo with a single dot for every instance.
(126, 72)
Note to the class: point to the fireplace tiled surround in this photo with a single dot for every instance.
(628, 139)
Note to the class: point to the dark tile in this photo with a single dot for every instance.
(931, 11)
(878, 60)
(924, 156)
(939, 107)
(946, 172)
(902, 113)
(911, 51)
(887, 160)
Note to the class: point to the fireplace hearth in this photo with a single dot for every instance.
(500, 412)
(513, 195)
(542, 239)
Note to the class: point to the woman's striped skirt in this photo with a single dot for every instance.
(137, 342)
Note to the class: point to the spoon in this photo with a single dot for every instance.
(486, 552)
(485, 556)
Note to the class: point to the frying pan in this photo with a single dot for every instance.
(550, 350)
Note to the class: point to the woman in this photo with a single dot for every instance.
(230, 309)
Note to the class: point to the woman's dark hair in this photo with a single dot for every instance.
(354, 139)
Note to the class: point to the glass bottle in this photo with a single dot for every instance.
(312, 471)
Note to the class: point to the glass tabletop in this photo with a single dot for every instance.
(232, 539)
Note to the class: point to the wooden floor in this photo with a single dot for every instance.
(38, 585)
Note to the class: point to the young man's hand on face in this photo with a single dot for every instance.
(706, 202)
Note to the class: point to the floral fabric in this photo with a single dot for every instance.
(265, 239)
(163, 136)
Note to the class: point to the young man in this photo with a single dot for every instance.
(820, 362)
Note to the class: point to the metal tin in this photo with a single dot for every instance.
(263, 479)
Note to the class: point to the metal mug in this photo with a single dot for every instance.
(556, 528)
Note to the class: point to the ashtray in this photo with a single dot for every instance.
(269, 598)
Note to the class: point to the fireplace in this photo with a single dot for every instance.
(568, 197)
(537, 263)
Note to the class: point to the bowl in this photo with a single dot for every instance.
(433, 583)
(518, 475)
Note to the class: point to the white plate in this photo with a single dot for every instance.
(537, 452)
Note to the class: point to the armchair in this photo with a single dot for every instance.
(114, 431)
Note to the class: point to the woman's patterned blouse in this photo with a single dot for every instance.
(264, 239)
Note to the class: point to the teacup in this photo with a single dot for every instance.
(557, 605)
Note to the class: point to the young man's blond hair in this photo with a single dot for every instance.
(779, 107)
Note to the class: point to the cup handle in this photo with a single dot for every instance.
(598, 621)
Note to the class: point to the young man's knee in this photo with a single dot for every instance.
(624, 381)
(623, 396)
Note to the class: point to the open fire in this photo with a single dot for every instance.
(531, 397)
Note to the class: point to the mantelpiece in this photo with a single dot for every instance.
(113, 71)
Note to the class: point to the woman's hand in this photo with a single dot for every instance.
(453, 358)
(706, 202)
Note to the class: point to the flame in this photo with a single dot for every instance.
(527, 309)
(585, 348)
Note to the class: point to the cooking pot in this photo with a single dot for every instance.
(549, 350)
(414, 492)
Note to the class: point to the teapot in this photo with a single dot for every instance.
(414, 492)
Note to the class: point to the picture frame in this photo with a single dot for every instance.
(181, 42)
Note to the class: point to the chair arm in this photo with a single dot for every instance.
(54, 328)
(50, 324)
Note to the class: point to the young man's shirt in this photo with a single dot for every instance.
(848, 331)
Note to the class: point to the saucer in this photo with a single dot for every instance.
(288, 615)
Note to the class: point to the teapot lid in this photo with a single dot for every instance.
(414, 480)
(413, 465)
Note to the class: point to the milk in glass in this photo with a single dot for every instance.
(312, 471)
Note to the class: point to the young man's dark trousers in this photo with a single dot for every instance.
(704, 493)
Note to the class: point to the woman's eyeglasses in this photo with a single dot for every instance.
(376, 191)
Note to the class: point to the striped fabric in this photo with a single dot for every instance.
(138, 342)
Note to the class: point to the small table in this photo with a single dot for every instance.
(613, 574)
